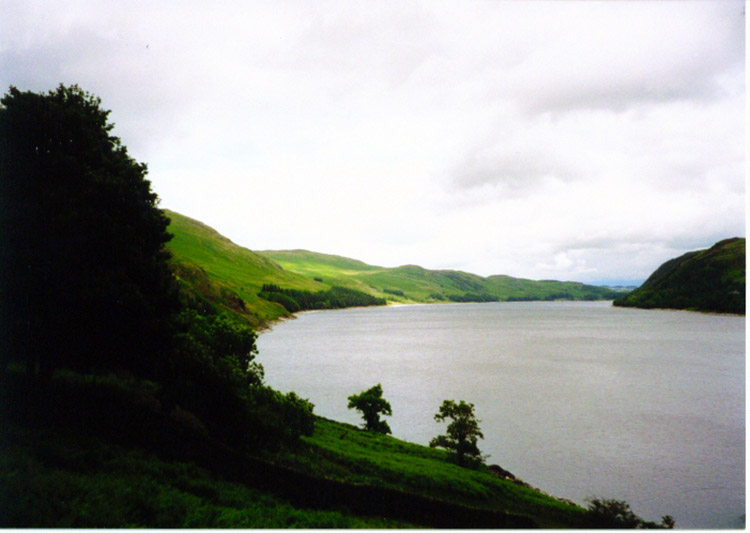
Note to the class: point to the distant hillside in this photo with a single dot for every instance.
(705, 280)
(216, 272)
(412, 283)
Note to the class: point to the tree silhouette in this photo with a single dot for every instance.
(84, 280)
(462, 432)
(372, 404)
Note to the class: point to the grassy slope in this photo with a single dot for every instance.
(344, 452)
(230, 276)
(53, 479)
(216, 268)
(421, 285)
(705, 280)
(145, 467)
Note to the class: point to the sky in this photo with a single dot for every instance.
(571, 140)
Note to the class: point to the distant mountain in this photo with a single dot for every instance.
(705, 280)
(414, 284)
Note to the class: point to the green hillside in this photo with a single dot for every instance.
(211, 267)
(217, 272)
(412, 283)
(704, 280)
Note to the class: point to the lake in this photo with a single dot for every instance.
(578, 399)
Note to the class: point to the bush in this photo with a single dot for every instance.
(216, 377)
(616, 514)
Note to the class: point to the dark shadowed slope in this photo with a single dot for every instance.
(705, 280)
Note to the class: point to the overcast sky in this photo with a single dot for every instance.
(578, 141)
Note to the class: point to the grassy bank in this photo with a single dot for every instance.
(55, 479)
(346, 453)
(223, 274)
(124, 461)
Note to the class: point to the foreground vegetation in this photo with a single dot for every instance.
(706, 280)
(57, 480)
(147, 466)
(123, 462)
(126, 461)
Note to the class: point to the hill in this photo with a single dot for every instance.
(218, 273)
(411, 283)
(706, 280)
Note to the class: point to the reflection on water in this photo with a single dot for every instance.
(579, 399)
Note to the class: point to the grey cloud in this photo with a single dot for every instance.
(654, 52)
(515, 172)
(144, 89)
(493, 97)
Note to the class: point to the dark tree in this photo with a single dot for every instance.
(463, 432)
(617, 514)
(84, 275)
(372, 404)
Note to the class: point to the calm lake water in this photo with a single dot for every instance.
(579, 399)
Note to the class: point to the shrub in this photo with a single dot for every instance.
(616, 514)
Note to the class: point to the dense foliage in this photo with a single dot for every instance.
(472, 297)
(372, 404)
(461, 434)
(86, 283)
(706, 280)
(335, 298)
(219, 380)
(84, 276)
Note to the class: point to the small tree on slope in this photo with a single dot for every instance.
(462, 433)
(372, 404)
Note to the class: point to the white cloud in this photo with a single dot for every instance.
(576, 140)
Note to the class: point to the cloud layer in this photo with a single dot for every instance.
(573, 140)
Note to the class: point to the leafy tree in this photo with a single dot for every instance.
(372, 404)
(84, 279)
(462, 433)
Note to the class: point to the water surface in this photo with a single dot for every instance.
(579, 399)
